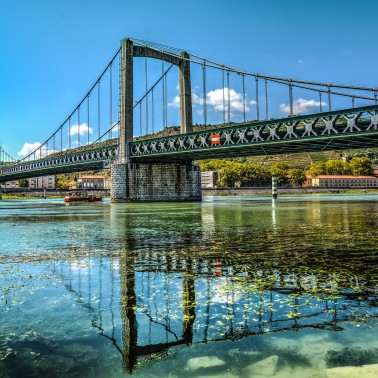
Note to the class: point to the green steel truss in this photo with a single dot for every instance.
(70, 161)
(336, 130)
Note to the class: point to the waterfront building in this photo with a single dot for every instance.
(42, 182)
(10, 184)
(344, 181)
(209, 179)
(92, 182)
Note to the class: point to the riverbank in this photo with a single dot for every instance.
(40, 193)
(221, 191)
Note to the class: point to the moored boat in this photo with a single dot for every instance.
(81, 197)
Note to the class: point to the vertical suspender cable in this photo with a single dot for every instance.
(291, 97)
(111, 99)
(257, 97)
(61, 139)
(166, 101)
(78, 126)
(146, 78)
(329, 97)
(163, 92)
(204, 94)
(140, 120)
(266, 99)
(353, 101)
(54, 142)
(224, 102)
(99, 109)
(228, 97)
(69, 132)
(88, 116)
(320, 102)
(375, 97)
(243, 82)
(153, 112)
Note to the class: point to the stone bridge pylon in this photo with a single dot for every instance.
(134, 181)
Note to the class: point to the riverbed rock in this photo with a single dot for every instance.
(263, 368)
(365, 371)
(203, 362)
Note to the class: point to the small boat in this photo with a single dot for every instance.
(81, 197)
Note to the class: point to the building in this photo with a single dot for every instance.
(9, 184)
(344, 181)
(92, 182)
(209, 179)
(42, 182)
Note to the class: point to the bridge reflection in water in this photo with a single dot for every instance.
(147, 301)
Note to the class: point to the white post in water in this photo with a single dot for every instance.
(274, 185)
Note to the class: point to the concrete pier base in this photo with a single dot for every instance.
(155, 182)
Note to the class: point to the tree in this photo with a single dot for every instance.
(280, 169)
(361, 166)
(23, 183)
(337, 167)
(297, 176)
(317, 169)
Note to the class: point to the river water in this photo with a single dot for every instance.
(230, 287)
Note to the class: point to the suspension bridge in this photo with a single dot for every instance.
(150, 144)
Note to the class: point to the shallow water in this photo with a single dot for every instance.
(231, 287)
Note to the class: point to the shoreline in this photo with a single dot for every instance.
(206, 192)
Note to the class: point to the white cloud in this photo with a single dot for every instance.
(215, 99)
(301, 106)
(28, 148)
(175, 103)
(82, 129)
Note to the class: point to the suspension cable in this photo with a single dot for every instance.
(88, 116)
(153, 112)
(320, 102)
(291, 98)
(146, 79)
(111, 98)
(257, 97)
(243, 84)
(224, 102)
(204, 94)
(228, 97)
(99, 108)
(69, 133)
(266, 99)
(78, 126)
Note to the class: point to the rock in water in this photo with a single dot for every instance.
(203, 362)
(265, 368)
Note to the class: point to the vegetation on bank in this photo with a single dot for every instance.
(243, 173)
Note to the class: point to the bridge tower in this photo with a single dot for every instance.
(137, 181)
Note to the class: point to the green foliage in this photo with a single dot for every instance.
(358, 166)
(23, 183)
(297, 177)
(317, 169)
(337, 167)
(361, 166)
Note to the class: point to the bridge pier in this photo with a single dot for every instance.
(155, 182)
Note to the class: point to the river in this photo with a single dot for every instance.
(230, 287)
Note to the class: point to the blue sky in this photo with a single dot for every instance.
(51, 52)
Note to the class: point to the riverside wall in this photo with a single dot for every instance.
(24, 192)
(223, 191)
